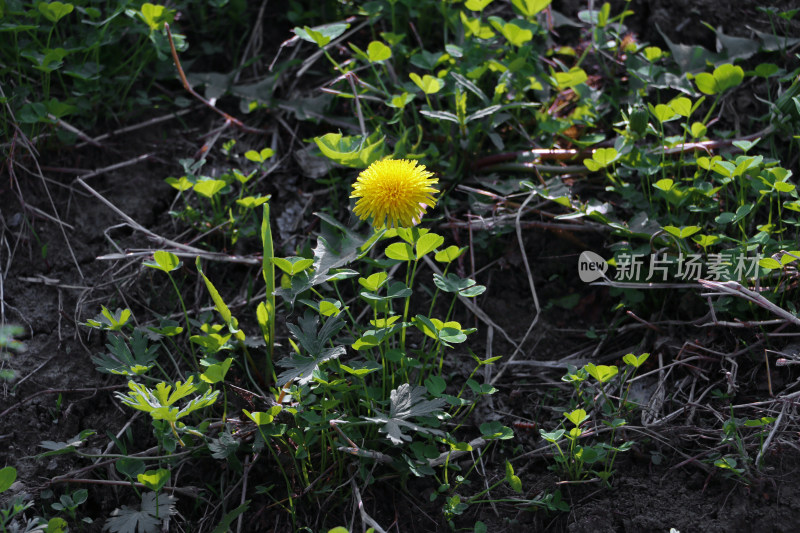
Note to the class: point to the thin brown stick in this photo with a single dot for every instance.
(233, 120)
(116, 166)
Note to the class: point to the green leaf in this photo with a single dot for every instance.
(552, 436)
(601, 158)
(59, 448)
(428, 83)
(251, 202)
(575, 76)
(361, 371)
(400, 251)
(792, 206)
(576, 417)
(765, 70)
(212, 342)
(428, 243)
(354, 151)
(33, 112)
(181, 184)
(723, 78)
(513, 33)
(452, 283)
(706, 240)
(477, 5)
(664, 184)
(262, 418)
(8, 475)
(154, 479)
(698, 129)
(216, 373)
(407, 402)
(398, 289)
(59, 109)
(449, 254)
(635, 361)
(292, 265)
(373, 282)
(219, 304)
(148, 519)
(321, 35)
(683, 232)
(474, 27)
(452, 335)
(741, 212)
(225, 524)
(259, 157)
(330, 308)
(130, 466)
(314, 341)
(601, 373)
(400, 101)
(158, 402)
(108, 321)
(335, 249)
(125, 361)
(55, 11)
(681, 105)
(377, 51)
(208, 187)
(494, 430)
(426, 60)
(367, 341)
(663, 113)
(164, 261)
(56, 525)
(435, 385)
(530, 8)
(745, 146)
(514, 482)
(155, 16)
(769, 263)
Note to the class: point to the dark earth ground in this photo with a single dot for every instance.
(49, 297)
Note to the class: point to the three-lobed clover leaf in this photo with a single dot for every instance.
(577, 416)
(601, 373)
(55, 11)
(457, 285)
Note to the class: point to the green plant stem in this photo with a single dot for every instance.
(268, 271)
(186, 319)
(410, 285)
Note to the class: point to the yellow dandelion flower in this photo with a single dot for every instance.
(394, 193)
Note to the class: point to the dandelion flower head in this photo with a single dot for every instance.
(394, 193)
